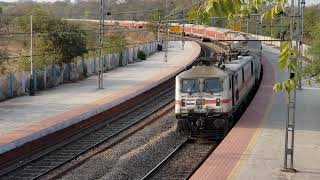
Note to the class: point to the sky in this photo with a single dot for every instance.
(308, 2)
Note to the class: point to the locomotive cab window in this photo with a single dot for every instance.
(212, 85)
(190, 86)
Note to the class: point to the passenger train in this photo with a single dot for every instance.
(211, 95)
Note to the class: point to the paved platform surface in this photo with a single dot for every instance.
(26, 118)
(254, 149)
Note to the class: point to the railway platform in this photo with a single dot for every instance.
(27, 119)
(254, 148)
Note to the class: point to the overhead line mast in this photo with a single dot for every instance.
(101, 34)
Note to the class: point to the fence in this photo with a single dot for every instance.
(17, 84)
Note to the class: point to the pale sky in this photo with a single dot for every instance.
(308, 2)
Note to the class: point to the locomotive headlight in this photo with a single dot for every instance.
(218, 102)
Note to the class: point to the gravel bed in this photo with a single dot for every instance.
(135, 156)
(184, 162)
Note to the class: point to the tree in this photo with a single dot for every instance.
(272, 8)
(3, 60)
(114, 43)
(154, 23)
(3, 51)
(312, 69)
(56, 41)
(192, 16)
(310, 21)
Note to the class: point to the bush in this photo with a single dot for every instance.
(60, 41)
(142, 55)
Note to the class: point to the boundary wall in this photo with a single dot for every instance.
(18, 84)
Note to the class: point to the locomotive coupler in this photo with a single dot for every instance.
(200, 123)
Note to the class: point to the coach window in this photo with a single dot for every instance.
(242, 75)
(230, 83)
(251, 68)
(236, 80)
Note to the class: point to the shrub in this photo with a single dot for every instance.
(142, 55)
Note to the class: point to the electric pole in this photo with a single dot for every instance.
(32, 84)
(166, 34)
(303, 3)
(101, 34)
(291, 109)
(182, 30)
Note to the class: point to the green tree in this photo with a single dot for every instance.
(114, 43)
(3, 51)
(194, 17)
(154, 23)
(240, 9)
(312, 69)
(3, 60)
(56, 41)
(310, 21)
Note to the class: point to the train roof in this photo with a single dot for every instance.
(234, 65)
(203, 72)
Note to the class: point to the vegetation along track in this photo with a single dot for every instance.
(93, 137)
(183, 161)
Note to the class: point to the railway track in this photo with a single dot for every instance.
(183, 161)
(90, 139)
(93, 137)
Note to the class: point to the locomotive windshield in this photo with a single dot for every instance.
(190, 85)
(212, 85)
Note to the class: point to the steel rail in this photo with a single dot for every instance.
(101, 133)
(92, 137)
(155, 169)
(201, 155)
(88, 140)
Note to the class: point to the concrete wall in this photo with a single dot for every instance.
(17, 84)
